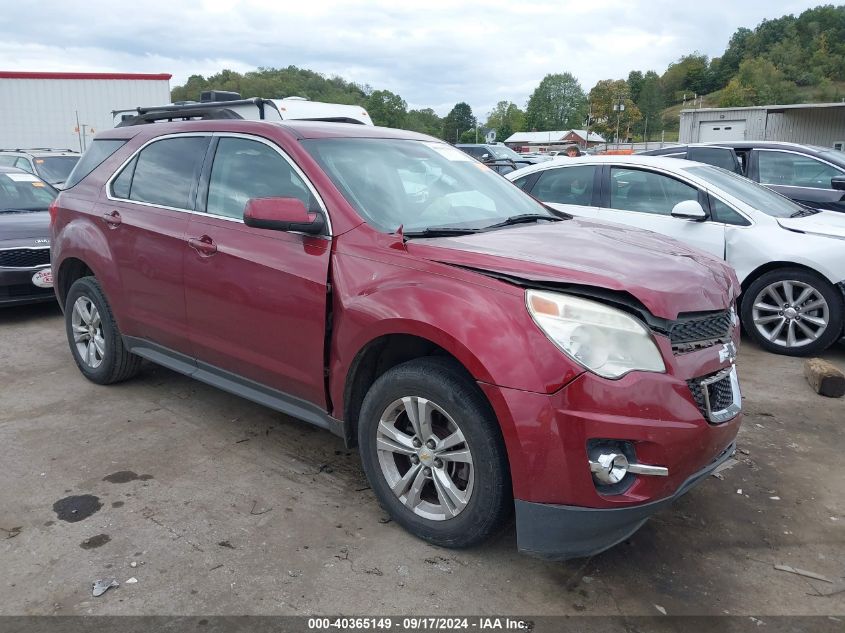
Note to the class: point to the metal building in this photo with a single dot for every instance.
(63, 110)
(809, 123)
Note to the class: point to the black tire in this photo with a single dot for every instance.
(821, 286)
(116, 364)
(445, 383)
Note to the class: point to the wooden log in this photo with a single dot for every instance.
(824, 378)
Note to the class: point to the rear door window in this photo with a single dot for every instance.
(717, 156)
(566, 185)
(166, 171)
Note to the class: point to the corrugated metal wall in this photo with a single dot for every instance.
(818, 126)
(42, 112)
(813, 126)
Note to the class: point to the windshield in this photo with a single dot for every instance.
(55, 169)
(419, 185)
(837, 157)
(20, 191)
(757, 196)
(502, 151)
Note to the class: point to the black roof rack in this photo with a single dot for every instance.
(207, 110)
(37, 149)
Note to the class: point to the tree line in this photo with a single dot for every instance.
(784, 60)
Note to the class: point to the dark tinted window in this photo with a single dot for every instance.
(785, 168)
(721, 212)
(566, 185)
(717, 156)
(166, 170)
(7, 161)
(520, 182)
(646, 191)
(245, 169)
(120, 185)
(24, 192)
(97, 152)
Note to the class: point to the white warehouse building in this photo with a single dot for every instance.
(820, 124)
(64, 110)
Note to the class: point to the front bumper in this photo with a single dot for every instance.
(560, 532)
(16, 287)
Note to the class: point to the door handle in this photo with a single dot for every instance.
(112, 219)
(203, 245)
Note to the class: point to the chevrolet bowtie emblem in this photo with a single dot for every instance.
(728, 352)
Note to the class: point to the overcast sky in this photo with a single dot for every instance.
(433, 53)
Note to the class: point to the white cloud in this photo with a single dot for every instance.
(433, 53)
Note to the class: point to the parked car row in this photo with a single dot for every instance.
(486, 353)
(789, 258)
(51, 165)
(812, 176)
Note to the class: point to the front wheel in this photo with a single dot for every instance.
(793, 312)
(433, 453)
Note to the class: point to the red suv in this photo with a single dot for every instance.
(484, 352)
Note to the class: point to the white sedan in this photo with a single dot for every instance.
(790, 259)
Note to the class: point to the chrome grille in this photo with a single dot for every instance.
(717, 395)
(24, 257)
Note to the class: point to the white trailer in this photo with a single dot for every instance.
(64, 110)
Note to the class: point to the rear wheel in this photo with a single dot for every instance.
(95, 341)
(433, 453)
(792, 311)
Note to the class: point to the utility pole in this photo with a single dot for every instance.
(589, 120)
(645, 133)
(619, 107)
(79, 133)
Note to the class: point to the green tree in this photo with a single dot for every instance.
(606, 94)
(635, 84)
(458, 121)
(387, 109)
(425, 121)
(651, 101)
(506, 118)
(558, 103)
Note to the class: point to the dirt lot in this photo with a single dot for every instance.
(229, 508)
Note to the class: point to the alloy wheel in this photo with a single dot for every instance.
(87, 331)
(425, 458)
(790, 313)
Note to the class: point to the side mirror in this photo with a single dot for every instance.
(485, 156)
(282, 214)
(838, 183)
(689, 210)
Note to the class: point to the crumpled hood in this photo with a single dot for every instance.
(666, 276)
(828, 223)
(22, 229)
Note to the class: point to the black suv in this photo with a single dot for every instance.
(499, 158)
(812, 176)
(51, 165)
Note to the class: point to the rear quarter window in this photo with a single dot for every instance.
(97, 152)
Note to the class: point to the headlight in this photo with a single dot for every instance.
(604, 340)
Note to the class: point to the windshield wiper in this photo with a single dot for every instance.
(440, 231)
(804, 212)
(523, 218)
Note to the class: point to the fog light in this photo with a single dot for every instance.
(611, 460)
(609, 468)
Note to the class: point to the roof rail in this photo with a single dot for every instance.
(36, 149)
(187, 111)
